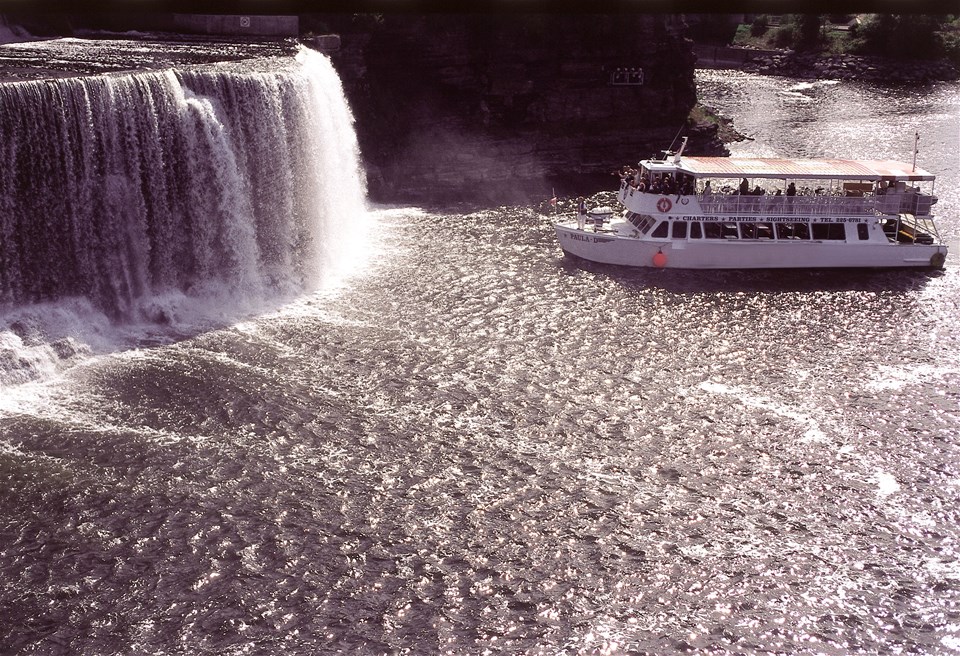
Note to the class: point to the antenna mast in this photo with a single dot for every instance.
(916, 148)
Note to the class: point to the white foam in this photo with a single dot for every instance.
(272, 164)
(886, 483)
(813, 432)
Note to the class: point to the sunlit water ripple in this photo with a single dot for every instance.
(479, 445)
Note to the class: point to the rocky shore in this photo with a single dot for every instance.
(851, 67)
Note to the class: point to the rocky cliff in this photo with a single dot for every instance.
(505, 108)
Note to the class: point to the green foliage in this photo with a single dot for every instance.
(950, 42)
(784, 36)
(911, 36)
(808, 31)
(907, 36)
(759, 25)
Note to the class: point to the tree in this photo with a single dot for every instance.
(808, 31)
(911, 36)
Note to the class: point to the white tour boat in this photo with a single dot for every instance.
(759, 213)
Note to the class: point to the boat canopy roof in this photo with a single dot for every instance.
(821, 169)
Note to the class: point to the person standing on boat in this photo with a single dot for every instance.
(791, 189)
(744, 187)
(581, 212)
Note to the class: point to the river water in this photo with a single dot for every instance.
(474, 445)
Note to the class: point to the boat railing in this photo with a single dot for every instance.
(918, 225)
(814, 205)
(906, 203)
(909, 202)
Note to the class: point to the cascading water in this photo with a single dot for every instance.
(229, 182)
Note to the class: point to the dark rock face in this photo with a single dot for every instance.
(505, 108)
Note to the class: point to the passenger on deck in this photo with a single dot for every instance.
(791, 189)
(667, 185)
(744, 187)
(581, 212)
(706, 189)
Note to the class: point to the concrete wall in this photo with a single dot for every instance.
(238, 25)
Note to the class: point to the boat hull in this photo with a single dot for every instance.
(612, 248)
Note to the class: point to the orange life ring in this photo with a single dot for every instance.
(664, 204)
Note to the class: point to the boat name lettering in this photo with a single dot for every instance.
(597, 239)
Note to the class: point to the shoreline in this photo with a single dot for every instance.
(865, 68)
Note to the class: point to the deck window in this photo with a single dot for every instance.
(641, 222)
(661, 230)
(863, 232)
(748, 230)
(729, 231)
(793, 231)
(696, 232)
(679, 230)
(711, 230)
(829, 231)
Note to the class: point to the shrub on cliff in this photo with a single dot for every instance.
(908, 36)
(759, 26)
(950, 40)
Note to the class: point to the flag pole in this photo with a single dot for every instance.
(916, 142)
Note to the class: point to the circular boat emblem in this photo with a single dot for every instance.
(664, 204)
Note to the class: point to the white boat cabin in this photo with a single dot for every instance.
(739, 212)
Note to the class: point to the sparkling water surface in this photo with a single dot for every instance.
(477, 445)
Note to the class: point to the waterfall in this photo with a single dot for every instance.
(235, 180)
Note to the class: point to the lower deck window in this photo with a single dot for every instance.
(711, 230)
(793, 231)
(862, 231)
(641, 222)
(679, 230)
(661, 230)
(756, 231)
(829, 231)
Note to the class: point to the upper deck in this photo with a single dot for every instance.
(792, 187)
(795, 169)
